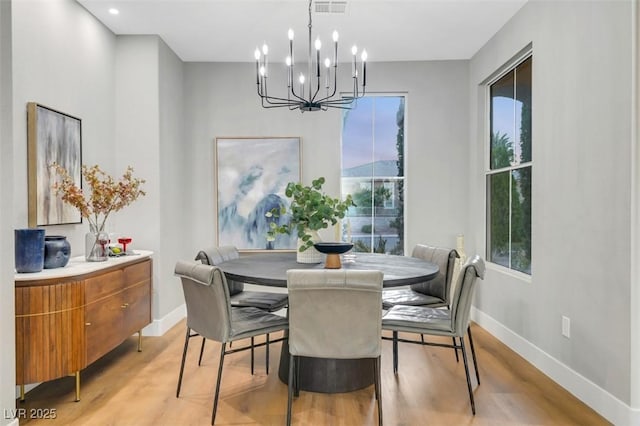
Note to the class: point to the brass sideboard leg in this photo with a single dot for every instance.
(21, 393)
(139, 340)
(77, 386)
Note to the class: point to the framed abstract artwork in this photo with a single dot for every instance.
(251, 177)
(52, 137)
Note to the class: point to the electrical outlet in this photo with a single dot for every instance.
(566, 327)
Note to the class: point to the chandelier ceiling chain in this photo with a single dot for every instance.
(314, 100)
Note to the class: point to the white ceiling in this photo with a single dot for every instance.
(390, 30)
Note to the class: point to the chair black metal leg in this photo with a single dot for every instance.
(466, 370)
(454, 342)
(184, 356)
(290, 388)
(378, 389)
(215, 397)
(267, 360)
(375, 378)
(201, 351)
(296, 377)
(252, 356)
(455, 349)
(473, 354)
(395, 352)
(422, 338)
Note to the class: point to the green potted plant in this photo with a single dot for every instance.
(310, 210)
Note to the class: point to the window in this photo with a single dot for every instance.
(510, 170)
(373, 173)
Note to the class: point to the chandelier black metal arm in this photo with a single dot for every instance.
(311, 99)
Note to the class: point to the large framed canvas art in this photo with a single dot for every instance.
(251, 177)
(52, 137)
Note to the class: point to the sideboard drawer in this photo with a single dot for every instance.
(137, 273)
(105, 285)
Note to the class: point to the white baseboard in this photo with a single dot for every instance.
(607, 405)
(14, 422)
(160, 326)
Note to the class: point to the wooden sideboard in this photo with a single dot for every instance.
(67, 318)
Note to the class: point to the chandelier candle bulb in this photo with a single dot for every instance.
(327, 64)
(364, 75)
(335, 47)
(364, 67)
(290, 34)
(265, 51)
(354, 52)
(318, 46)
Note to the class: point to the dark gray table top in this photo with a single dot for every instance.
(271, 268)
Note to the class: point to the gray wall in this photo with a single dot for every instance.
(138, 141)
(220, 100)
(175, 219)
(63, 59)
(149, 121)
(7, 298)
(581, 186)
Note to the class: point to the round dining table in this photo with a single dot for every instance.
(270, 269)
(320, 374)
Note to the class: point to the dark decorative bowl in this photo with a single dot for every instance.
(333, 248)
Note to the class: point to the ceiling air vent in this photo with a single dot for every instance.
(330, 6)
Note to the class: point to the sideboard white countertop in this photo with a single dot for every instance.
(78, 266)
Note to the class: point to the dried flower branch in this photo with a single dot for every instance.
(106, 196)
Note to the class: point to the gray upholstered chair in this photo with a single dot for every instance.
(433, 293)
(442, 322)
(334, 314)
(209, 314)
(268, 301)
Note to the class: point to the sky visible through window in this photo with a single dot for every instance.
(360, 127)
(505, 114)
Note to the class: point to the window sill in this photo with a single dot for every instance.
(520, 276)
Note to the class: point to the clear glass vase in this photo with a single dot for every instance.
(96, 244)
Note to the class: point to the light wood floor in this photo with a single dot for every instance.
(130, 388)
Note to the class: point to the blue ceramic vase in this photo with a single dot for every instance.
(56, 251)
(29, 249)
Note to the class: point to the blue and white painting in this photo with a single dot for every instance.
(252, 174)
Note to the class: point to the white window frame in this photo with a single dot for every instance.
(523, 55)
(405, 95)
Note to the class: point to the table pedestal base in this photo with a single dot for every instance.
(328, 375)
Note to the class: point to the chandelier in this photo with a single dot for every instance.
(309, 96)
